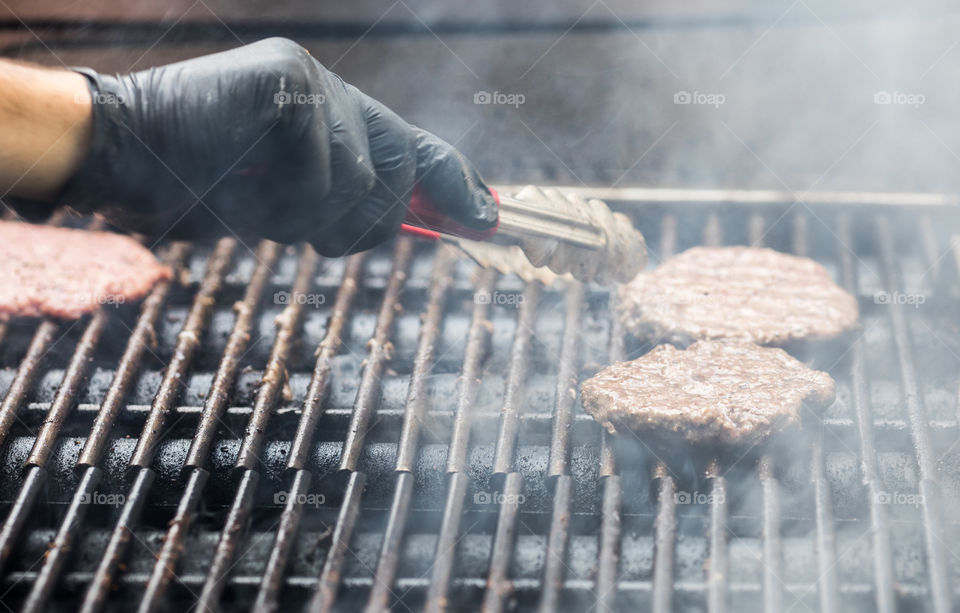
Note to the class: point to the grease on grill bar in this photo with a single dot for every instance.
(400, 432)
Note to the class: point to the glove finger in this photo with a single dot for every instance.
(351, 167)
(452, 184)
(377, 217)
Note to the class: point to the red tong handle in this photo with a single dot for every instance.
(426, 221)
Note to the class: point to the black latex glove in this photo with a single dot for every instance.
(262, 141)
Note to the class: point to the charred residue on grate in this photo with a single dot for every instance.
(461, 398)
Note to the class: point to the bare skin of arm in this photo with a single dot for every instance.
(45, 128)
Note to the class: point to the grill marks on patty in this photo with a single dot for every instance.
(725, 388)
(743, 293)
(66, 273)
(716, 392)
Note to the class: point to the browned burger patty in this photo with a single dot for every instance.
(743, 293)
(60, 272)
(718, 392)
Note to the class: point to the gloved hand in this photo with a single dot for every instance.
(262, 141)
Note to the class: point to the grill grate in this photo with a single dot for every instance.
(407, 445)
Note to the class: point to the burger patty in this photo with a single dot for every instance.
(744, 293)
(65, 273)
(718, 392)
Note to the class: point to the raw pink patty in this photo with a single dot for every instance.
(60, 272)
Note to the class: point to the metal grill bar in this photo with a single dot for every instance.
(772, 544)
(516, 380)
(187, 341)
(458, 481)
(165, 567)
(26, 375)
(498, 583)
(609, 544)
(380, 349)
(328, 349)
(567, 378)
(233, 529)
(269, 592)
(214, 405)
(665, 526)
(67, 392)
(916, 414)
(216, 400)
(414, 412)
(272, 582)
(665, 534)
(559, 460)
(499, 586)
(45, 439)
(718, 577)
(60, 548)
(826, 537)
(416, 405)
(386, 571)
(143, 336)
(557, 540)
(273, 576)
(170, 388)
(879, 516)
(530, 566)
(112, 404)
(274, 376)
(470, 377)
(326, 594)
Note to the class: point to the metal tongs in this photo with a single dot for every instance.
(564, 233)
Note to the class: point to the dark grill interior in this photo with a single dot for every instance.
(437, 458)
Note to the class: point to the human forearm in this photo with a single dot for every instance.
(258, 141)
(45, 126)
